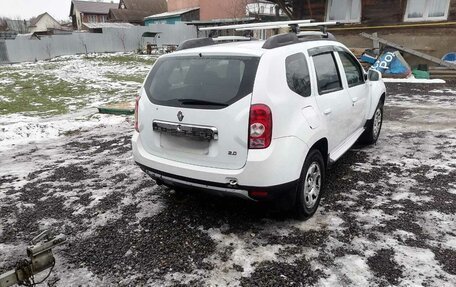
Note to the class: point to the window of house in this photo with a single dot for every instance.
(262, 9)
(92, 18)
(344, 10)
(297, 72)
(328, 77)
(271, 10)
(427, 10)
(353, 71)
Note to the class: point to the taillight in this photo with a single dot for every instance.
(260, 126)
(136, 113)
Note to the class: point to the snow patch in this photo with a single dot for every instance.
(414, 81)
(351, 269)
(421, 267)
(18, 130)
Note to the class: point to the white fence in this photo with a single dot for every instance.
(25, 49)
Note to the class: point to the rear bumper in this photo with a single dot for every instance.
(279, 164)
(286, 191)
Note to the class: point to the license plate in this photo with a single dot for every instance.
(184, 130)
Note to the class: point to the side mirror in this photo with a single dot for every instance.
(374, 75)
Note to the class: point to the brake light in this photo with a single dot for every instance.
(136, 113)
(260, 127)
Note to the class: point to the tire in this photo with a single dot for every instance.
(310, 185)
(374, 126)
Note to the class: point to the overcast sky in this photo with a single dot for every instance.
(25, 9)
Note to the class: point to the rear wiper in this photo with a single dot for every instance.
(200, 102)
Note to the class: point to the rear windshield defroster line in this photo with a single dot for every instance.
(209, 82)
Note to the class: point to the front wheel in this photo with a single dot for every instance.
(310, 185)
(374, 125)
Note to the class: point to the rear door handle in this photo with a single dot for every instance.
(327, 111)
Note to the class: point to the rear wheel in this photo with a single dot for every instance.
(310, 185)
(374, 126)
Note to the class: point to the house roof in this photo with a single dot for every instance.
(34, 21)
(127, 15)
(90, 7)
(17, 25)
(153, 6)
(172, 13)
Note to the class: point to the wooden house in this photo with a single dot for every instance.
(428, 26)
(89, 12)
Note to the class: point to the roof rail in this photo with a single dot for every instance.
(280, 40)
(271, 43)
(272, 25)
(194, 43)
(253, 26)
(323, 35)
(232, 38)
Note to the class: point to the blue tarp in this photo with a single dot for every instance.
(450, 57)
(392, 63)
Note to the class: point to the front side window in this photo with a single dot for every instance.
(344, 10)
(328, 77)
(353, 71)
(427, 10)
(201, 82)
(298, 78)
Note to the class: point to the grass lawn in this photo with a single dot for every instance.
(67, 84)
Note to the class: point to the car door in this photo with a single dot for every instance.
(332, 99)
(357, 89)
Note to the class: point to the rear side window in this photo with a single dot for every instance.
(298, 74)
(201, 82)
(328, 77)
(353, 72)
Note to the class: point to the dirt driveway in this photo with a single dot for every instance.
(387, 217)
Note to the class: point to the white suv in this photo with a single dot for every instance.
(256, 119)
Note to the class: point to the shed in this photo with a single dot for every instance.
(183, 15)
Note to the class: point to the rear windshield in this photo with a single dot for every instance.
(196, 82)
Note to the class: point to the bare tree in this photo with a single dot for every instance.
(3, 24)
(294, 9)
(122, 38)
(48, 50)
(17, 24)
(83, 44)
(141, 42)
(255, 4)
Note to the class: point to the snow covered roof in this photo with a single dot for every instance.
(107, 25)
(172, 13)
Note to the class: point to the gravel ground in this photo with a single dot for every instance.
(387, 216)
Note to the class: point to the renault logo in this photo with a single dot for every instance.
(180, 116)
